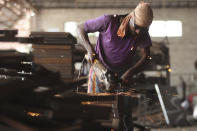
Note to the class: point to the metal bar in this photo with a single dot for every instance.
(162, 104)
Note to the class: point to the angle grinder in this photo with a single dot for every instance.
(106, 77)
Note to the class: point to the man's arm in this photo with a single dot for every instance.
(84, 40)
(139, 66)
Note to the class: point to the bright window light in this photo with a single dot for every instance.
(71, 27)
(174, 28)
(166, 28)
(53, 30)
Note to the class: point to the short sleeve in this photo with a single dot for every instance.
(146, 41)
(97, 24)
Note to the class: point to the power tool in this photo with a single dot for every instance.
(106, 77)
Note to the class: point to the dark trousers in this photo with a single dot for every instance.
(125, 113)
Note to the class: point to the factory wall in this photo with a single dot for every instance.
(183, 50)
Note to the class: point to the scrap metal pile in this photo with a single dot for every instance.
(38, 103)
(35, 98)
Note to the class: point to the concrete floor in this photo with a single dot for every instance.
(194, 128)
(189, 128)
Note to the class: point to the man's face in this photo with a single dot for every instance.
(135, 29)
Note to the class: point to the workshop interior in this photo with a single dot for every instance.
(44, 69)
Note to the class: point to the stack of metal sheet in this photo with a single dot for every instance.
(15, 65)
(55, 53)
(55, 38)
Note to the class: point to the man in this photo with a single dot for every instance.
(119, 37)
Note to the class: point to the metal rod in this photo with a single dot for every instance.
(162, 104)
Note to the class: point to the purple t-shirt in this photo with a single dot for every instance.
(113, 51)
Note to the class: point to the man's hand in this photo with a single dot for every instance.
(90, 57)
(125, 78)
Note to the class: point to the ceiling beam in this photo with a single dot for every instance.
(13, 10)
(110, 3)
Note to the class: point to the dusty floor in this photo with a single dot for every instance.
(194, 128)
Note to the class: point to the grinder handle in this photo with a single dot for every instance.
(90, 58)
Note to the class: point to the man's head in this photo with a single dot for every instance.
(143, 14)
(141, 18)
(138, 20)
